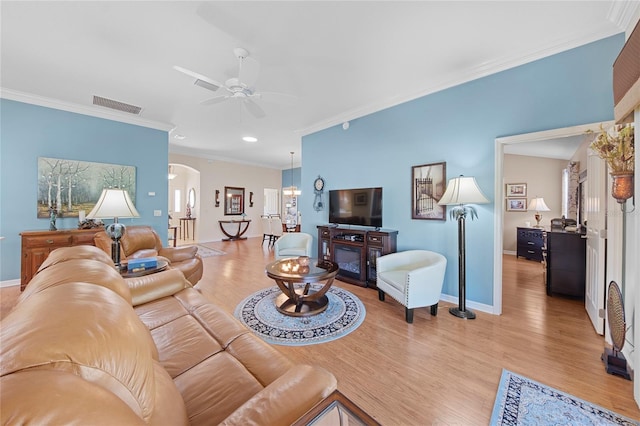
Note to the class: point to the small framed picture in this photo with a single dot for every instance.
(516, 204)
(516, 190)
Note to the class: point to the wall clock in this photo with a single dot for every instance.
(318, 187)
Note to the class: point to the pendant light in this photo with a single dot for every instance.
(292, 190)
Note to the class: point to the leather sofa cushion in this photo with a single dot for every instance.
(139, 238)
(78, 270)
(86, 330)
(76, 252)
(156, 286)
(215, 362)
(50, 397)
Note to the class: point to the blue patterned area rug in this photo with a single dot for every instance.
(522, 401)
(205, 251)
(258, 312)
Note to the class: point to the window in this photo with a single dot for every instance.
(176, 201)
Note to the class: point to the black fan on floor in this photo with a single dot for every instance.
(614, 360)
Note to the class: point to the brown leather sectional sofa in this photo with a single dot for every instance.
(85, 346)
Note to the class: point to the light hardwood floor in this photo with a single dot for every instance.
(439, 370)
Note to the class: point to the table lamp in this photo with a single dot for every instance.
(461, 191)
(114, 203)
(538, 205)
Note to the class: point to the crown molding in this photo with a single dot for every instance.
(92, 111)
(465, 76)
(624, 14)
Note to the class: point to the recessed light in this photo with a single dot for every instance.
(179, 136)
(249, 139)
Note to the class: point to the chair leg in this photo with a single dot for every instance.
(381, 295)
(408, 315)
(434, 309)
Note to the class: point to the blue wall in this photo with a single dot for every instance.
(459, 126)
(28, 132)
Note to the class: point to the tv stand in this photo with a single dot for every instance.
(355, 251)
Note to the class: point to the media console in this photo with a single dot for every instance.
(355, 251)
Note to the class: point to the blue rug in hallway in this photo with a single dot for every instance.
(258, 312)
(522, 401)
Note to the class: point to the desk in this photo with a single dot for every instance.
(184, 227)
(243, 225)
(302, 302)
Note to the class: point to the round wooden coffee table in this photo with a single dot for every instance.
(302, 301)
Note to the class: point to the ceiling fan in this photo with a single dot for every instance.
(240, 88)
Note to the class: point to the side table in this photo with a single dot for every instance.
(184, 225)
(243, 225)
(336, 409)
(162, 265)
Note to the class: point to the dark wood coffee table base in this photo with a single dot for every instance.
(288, 306)
(302, 301)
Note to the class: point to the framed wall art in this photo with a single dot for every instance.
(516, 190)
(428, 183)
(71, 186)
(516, 204)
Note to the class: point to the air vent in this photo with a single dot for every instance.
(206, 85)
(120, 106)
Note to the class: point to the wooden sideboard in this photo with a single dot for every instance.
(36, 246)
(355, 251)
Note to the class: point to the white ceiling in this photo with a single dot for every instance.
(341, 60)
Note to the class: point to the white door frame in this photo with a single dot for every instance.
(499, 192)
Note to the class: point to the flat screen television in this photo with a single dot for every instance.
(362, 206)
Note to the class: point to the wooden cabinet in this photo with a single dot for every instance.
(36, 246)
(530, 243)
(355, 251)
(566, 263)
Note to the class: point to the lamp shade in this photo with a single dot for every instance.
(113, 203)
(538, 205)
(462, 190)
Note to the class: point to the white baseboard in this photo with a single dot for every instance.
(509, 252)
(9, 283)
(470, 304)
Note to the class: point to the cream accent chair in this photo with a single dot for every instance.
(276, 228)
(413, 277)
(293, 244)
(266, 229)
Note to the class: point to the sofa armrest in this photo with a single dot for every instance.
(178, 254)
(286, 399)
(156, 286)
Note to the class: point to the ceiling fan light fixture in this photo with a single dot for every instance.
(250, 139)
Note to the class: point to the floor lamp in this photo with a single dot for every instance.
(114, 203)
(461, 191)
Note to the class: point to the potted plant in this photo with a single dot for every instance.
(617, 148)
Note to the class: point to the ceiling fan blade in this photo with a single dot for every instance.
(214, 85)
(249, 71)
(253, 108)
(215, 100)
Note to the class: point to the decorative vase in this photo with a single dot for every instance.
(622, 188)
